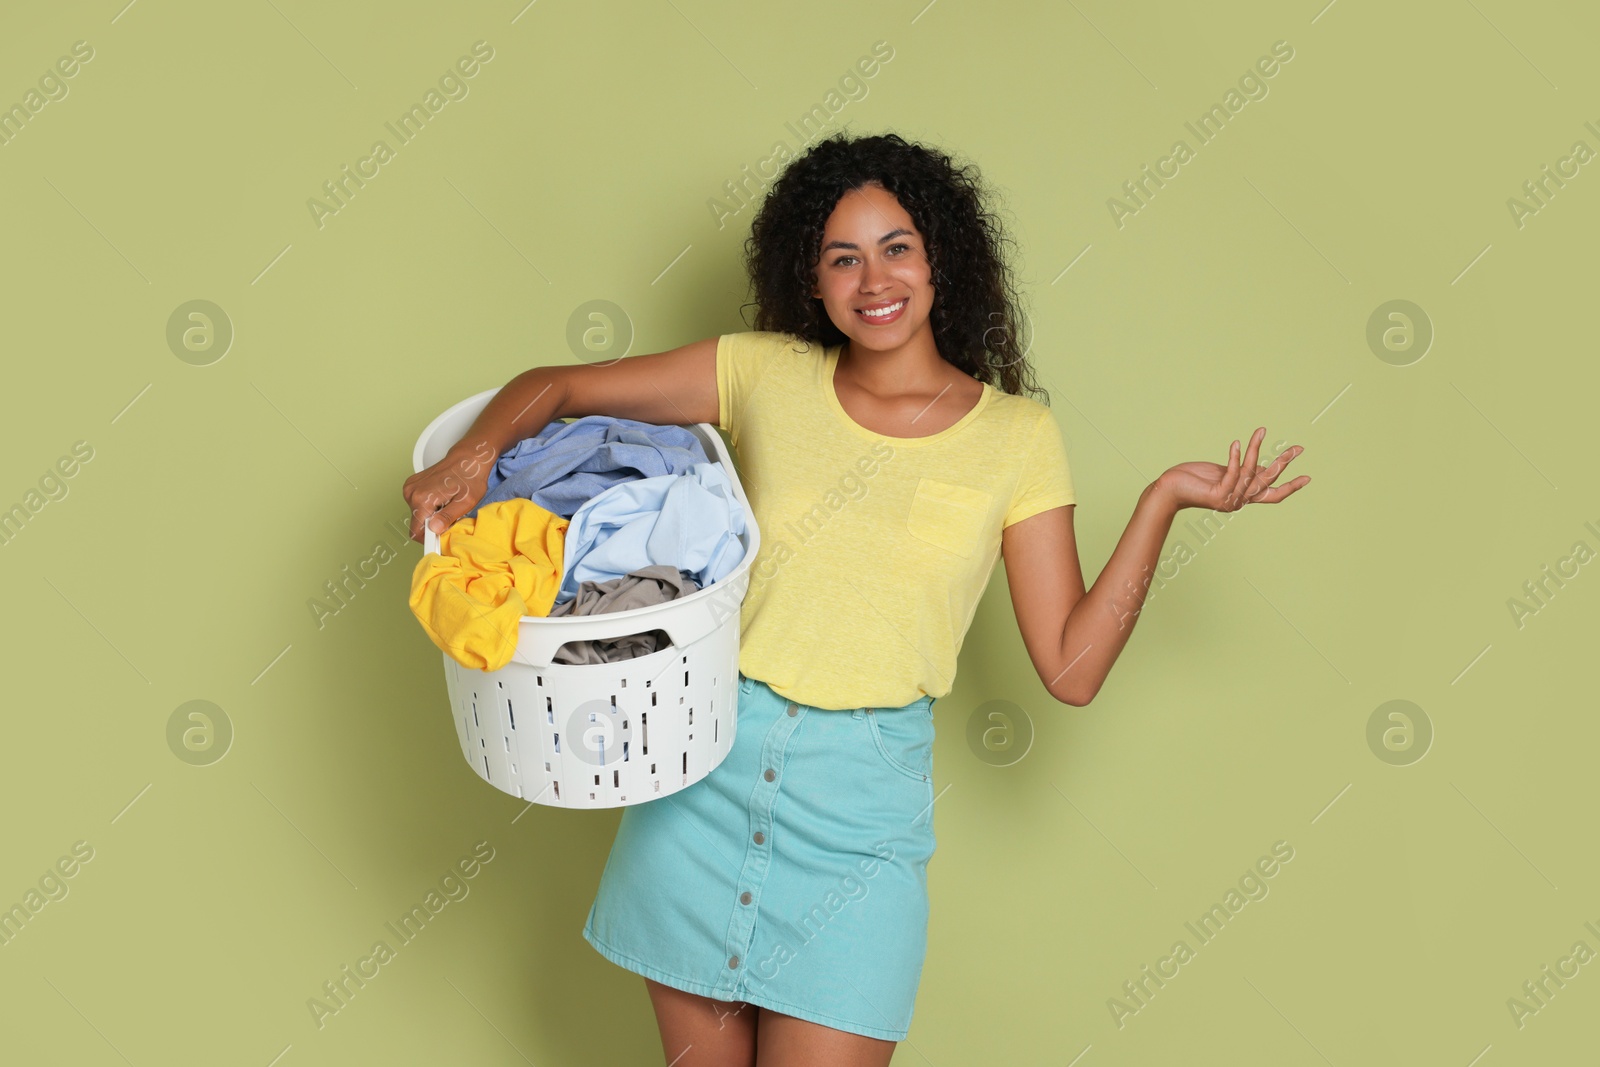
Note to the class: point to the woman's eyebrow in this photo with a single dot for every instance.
(885, 237)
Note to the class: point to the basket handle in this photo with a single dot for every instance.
(685, 621)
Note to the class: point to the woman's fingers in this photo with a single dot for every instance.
(1252, 472)
(1270, 473)
(446, 516)
(434, 506)
(444, 492)
(1237, 478)
(1278, 492)
(1256, 476)
(422, 509)
(1269, 494)
(1240, 482)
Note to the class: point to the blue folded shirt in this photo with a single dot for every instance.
(566, 464)
(691, 520)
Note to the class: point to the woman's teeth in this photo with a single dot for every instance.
(883, 313)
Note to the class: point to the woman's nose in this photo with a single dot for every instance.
(872, 275)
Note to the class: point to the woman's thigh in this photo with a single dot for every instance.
(699, 1031)
(784, 1041)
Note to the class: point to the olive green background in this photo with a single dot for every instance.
(219, 499)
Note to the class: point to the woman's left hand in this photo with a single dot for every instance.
(1219, 488)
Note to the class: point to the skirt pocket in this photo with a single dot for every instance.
(904, 738)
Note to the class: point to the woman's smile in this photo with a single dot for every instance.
(879, 314)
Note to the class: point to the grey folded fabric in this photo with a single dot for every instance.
(654, 584)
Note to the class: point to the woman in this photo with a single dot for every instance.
(778, 907)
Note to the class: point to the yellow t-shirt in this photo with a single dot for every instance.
(875, 550)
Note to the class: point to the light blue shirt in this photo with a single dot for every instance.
(691, 520)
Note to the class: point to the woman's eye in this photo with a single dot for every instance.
(843, 260)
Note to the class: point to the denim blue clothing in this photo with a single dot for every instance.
(691, 520)
(567, 463)
(793, 876)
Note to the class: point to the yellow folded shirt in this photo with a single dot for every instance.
(489, 572)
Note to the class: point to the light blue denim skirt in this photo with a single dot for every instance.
(794, 876)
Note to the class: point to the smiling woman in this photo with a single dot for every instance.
(886, 326)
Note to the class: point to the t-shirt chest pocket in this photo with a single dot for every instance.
(948, 515)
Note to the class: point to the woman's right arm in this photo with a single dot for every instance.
(675, 387)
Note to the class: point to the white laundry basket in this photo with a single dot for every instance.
(603, 735)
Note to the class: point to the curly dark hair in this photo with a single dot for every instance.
(974, 315)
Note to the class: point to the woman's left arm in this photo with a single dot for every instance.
(1072, 636)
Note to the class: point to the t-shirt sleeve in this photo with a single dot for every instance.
(741, 360)
(1046, 480)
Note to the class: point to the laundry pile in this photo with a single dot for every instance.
(593, 516)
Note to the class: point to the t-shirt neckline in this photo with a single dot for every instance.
(830, 361)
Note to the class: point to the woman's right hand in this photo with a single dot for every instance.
(441, 494)
(1211, 485)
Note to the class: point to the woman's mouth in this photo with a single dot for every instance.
(880, 316)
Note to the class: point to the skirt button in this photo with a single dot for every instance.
(744, 898)
(768, 775)
(760, 837)
(793, 710)
(733, 961)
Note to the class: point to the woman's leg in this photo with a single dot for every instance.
(789, 1042)
(699, 1031)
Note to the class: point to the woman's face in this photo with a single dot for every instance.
(874, 258)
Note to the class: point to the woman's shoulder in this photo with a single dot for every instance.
(1017, 411)
(768, 341)
(757, 354)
